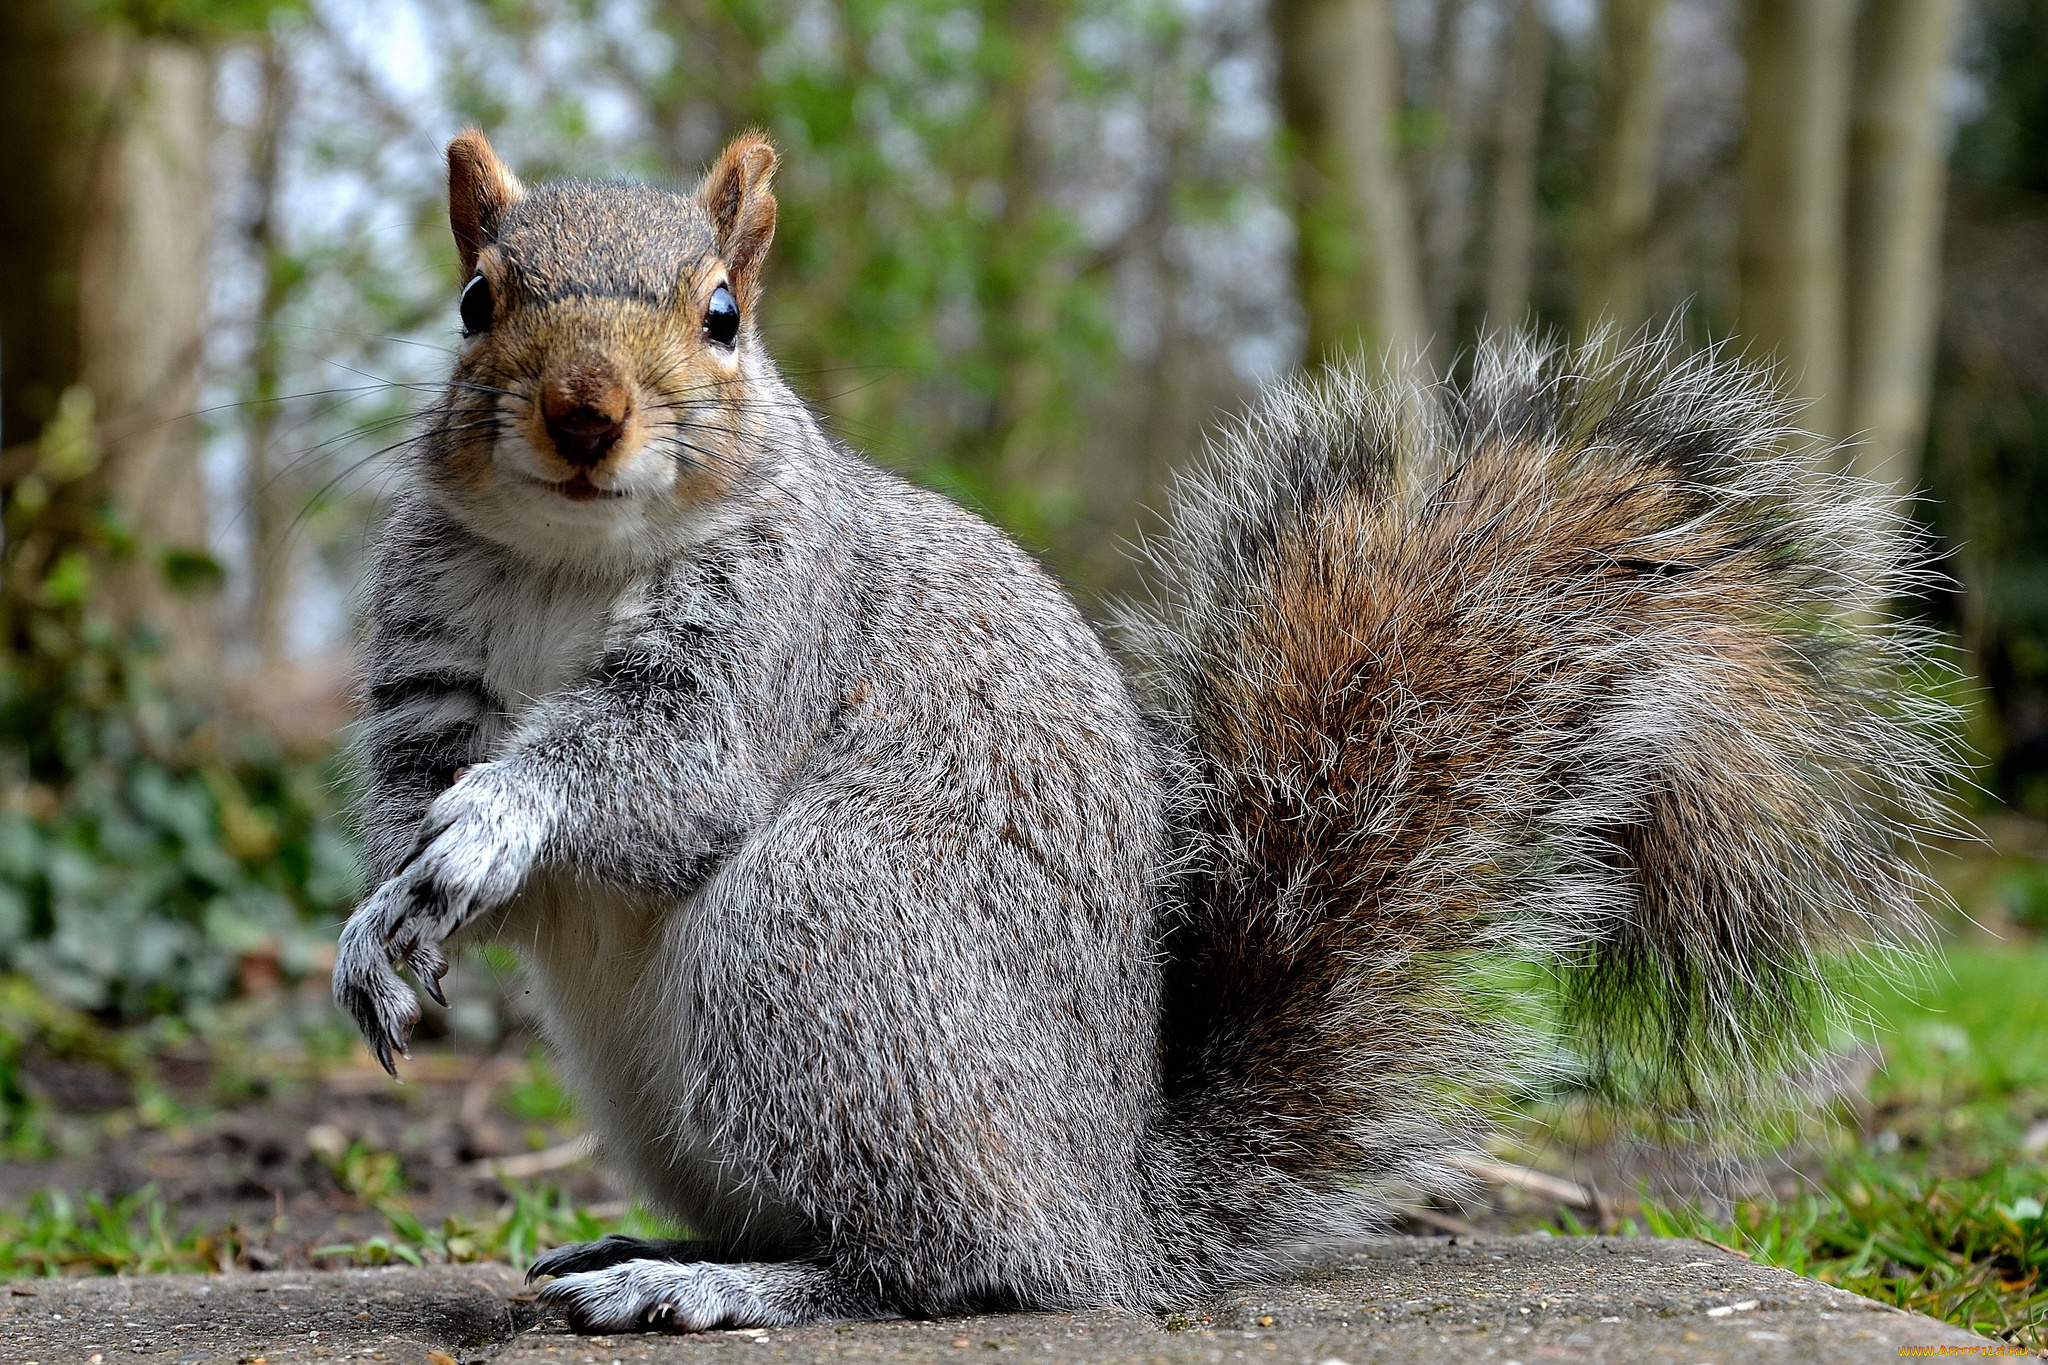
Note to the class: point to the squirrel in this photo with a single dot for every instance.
(918, 958)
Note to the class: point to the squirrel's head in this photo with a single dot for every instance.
(609, 377)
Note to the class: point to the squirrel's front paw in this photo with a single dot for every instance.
(477, 846)
(365, 983)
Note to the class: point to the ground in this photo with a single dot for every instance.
(321, 1156)
(1590, 1300)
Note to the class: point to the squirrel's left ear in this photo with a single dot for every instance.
(480, 189)
(735, 193)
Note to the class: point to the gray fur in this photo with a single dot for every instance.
(853, 880)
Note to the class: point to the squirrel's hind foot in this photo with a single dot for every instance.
(613, 1249)
(662, 1296)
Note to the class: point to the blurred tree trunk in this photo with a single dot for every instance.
(1356, 256)
(106, 223)
(1613, 274)
(1447, 183)
(1030, 456)
(1525, 71)
(270, 493)
(1793, 179)
(1896, 173)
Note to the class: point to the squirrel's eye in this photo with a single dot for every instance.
(476, 306)
(722, 317)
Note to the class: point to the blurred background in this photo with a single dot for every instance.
(1029, 250)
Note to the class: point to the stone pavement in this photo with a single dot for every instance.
(1526, 1299)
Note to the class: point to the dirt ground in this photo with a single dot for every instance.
(277, 1164)
(290, 1166)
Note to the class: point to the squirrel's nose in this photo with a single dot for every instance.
(586, 409)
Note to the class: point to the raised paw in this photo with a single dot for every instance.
(366, 985)
(661, 1296)
(478, 844)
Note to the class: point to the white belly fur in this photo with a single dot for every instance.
(609, 970)
(606, 966)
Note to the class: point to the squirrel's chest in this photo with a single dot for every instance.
(537, 639)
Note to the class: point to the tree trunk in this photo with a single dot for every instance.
(1032, 460)
(1447, 198)
(1896, 153)
(1793, 179)
(270, 490)
(1613, 275)
(1525, 71)
(1356, 255)
(106, 219)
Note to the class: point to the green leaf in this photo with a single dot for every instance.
(191, 570)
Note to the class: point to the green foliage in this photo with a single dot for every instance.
(918, 253)
(375, 1176)
(59, 1234)
(152, 853)
(37, 1030)
(539, 1096)
(1987, 452)
(92, 1234)
(2007, 141)
(147, 860)
(533, 1219)
(2022, 889)
(1965, 1058)
(193, 20)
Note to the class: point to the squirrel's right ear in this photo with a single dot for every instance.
(480, 189)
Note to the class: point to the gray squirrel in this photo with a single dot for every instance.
(893, 946)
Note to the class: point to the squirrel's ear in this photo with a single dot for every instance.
(735, 193)
(480, 189)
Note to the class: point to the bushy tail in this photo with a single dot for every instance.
(1587, 667)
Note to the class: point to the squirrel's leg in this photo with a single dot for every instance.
(631, 779)
(611, 1250)
(665, 1296)
(426, 717)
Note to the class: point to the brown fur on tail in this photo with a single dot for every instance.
(1586, 669)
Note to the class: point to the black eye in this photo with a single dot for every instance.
(476, 306)
(722, 317)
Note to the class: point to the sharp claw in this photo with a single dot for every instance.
(429, 964)
(382, 1047)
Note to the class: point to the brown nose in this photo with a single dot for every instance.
(586, 407)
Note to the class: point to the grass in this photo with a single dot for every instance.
(58, 1234)
(1929, 1201)
(1973, 1251)
(536, 1218)
(61, 1235)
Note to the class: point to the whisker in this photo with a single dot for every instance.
(371, 336)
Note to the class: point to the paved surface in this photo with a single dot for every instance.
(1525, 1299)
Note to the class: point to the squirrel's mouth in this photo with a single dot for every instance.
(578, 488)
